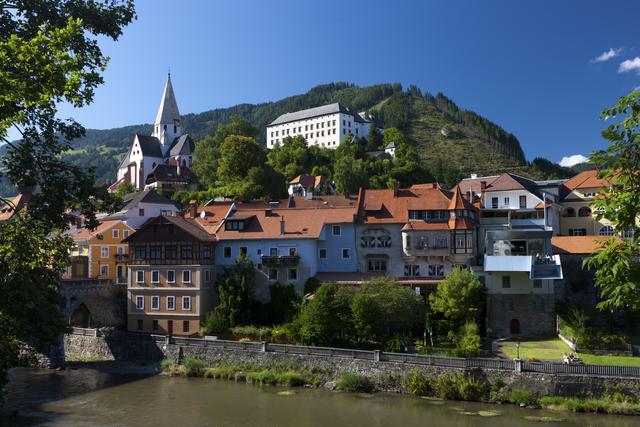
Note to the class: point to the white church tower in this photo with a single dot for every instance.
(168, 125)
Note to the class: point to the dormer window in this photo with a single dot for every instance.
(234, 225)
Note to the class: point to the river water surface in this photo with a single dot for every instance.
(89, 397)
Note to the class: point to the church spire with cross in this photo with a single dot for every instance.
(168, 125)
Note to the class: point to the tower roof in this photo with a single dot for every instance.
(168, 111)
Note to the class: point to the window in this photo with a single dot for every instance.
(155, 302)
(171, 252)
(155, 253)
(171, 303)
(206, 251)
(336, 230)
(293, 251)
(506, 282)
(185, 326)
(171, 276)
(104, 270)
(140, 324)
(115, 233)
(607, 230)
(494, 202)
(273, 274)
(140, 212)
(584, 211)
(346, 253)
(411, 270)
(506, 201)
(292, 274)
(155, 325)
(377, 265)
(186, 303)
(186, 252)
(226, 252)
(436, 270)
(577, 232)
(322, 253)
(104, 252)
(243, 250)
(207, 275)
(273, 251)
(139, 276)
(186, 276)
(125, 233)
(523, 202)
(537, 284)
(569, 212)
(155, 276)
(140, 302)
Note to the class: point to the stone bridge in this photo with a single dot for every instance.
(94, 302)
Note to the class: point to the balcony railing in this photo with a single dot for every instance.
(121, 257)
(283, 260)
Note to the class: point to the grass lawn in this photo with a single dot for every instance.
(552, 349)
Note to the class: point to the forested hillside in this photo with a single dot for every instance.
(451, 142)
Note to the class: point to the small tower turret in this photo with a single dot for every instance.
(168, 125)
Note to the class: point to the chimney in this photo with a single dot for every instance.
(193, 209)
(474, 175)
(178, 168)
(282, 225)
(483, 186)
(396, 187)
(268, 212)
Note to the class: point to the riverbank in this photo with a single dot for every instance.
(458, 386)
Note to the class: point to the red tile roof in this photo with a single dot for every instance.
(509, 181)
(586, 179)
(103, 227)
(19, 202)
(576, 245)
(475, 184)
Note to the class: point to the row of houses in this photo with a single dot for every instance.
(509, 230)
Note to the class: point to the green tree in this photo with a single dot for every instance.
(467, 340)
(460, 297)
(124, 189)
(374, 138)
(51, 55)
(616, 261)
(320, 318)
(291, 158)
(349, 170)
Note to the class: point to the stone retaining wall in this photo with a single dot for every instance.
(387, 376)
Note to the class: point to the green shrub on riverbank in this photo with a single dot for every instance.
(354, 383)
(417, 383)
(193, 367)
(604, 405)
(459, 387)
(522, 396)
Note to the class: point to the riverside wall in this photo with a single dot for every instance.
(387, 376)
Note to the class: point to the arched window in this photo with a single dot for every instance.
(584, 211)
(607, 230)
(568, 212)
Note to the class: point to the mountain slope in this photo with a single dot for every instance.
(472, 144)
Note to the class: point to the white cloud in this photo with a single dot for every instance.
(630, 65)
(605, 56)
(573, 160)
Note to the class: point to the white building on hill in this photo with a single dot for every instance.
(326, 126)
(167, 145)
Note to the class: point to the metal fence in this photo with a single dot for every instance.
(405, 358)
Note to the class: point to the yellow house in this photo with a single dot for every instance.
(106, 253)
(576, 217)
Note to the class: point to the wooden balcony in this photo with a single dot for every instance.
(283, 260)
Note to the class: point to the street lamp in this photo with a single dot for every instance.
(518, 349)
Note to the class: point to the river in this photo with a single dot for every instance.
(89, 397)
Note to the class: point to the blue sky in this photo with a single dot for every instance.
(528, 66)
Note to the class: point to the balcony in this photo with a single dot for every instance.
(283, 260)
(121, 257)
(426, 250)
(538, 268)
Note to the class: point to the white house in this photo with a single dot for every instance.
(166, 145)
(326, 126)
(141, 206)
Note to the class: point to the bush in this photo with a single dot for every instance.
(396, 344)
(467, 340)
(354, 383)
(193, 367)
(497, 391)
(280, 333)
(522, 396)
(250, 331)
(214, 323)
(417, 383)
(166, 364)
(460, 387)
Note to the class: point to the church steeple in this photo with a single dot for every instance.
(168, 125)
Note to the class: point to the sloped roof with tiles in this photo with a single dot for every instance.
(576, 245)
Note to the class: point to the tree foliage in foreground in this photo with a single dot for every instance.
(459, 298)
(617, 261)
(50, 54)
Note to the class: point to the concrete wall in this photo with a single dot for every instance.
(386, 375)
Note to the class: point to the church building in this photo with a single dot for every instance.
(167, 148)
